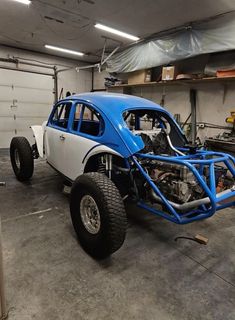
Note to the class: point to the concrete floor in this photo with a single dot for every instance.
(49, 276)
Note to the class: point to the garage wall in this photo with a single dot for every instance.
(99, 79)
(210, 105)
(27, 98)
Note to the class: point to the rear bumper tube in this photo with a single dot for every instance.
(196, 203)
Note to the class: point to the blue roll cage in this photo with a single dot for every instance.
(189, 161)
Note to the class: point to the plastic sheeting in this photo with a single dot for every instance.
(220, 61)
(214, 35)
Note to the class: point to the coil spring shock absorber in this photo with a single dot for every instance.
(101, 165)
(105, 165)
(101, 168)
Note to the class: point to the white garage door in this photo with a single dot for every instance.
(25, 99)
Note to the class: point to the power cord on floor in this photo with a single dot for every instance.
(188, 238)
(198, 238)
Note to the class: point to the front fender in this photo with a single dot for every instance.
(38, 132)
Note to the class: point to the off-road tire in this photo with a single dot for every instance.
(24, 169)
(113, 221)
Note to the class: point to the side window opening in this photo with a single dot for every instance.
(92, 122)
(61, 115)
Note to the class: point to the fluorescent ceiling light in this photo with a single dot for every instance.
(117, 32)
(76, 53)
(23, 1)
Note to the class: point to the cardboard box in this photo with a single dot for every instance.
(225, 73)
(169, 73)
(140, 76)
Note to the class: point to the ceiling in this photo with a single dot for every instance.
(70, 23)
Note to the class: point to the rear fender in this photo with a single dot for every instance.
(38, 132)
(98, 149)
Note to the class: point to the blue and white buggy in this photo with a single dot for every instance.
(112, 147)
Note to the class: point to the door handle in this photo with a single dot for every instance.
(62, 137)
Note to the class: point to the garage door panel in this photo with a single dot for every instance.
(5, 138)
(32, 95)
(25, 79)
(25, 100)
(26, 109)
(21, 93)
(25, 124)
(31, 110)
(6, 110)
(7, 123)
(6, 94)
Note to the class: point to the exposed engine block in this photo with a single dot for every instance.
(177, 182)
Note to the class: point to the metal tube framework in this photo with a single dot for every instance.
(196, 164)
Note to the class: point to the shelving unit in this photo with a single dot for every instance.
(176, 82)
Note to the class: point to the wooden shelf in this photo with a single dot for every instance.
(175, 82)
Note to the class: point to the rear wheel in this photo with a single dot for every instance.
(21, 158)
(98, 214)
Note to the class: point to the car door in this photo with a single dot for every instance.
(55, 133)
(85, 132)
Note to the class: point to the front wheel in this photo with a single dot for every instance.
(98, 214)
(21, 158)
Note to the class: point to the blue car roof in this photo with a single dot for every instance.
(113, 103)
(112, 106)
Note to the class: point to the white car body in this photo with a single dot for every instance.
(66, 152)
